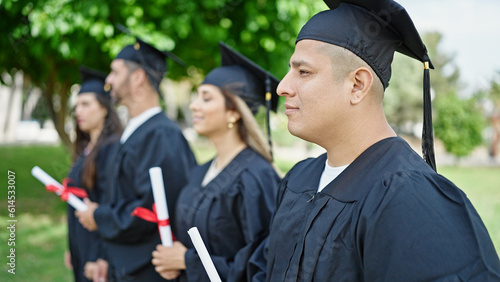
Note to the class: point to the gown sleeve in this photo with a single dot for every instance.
(254, 207)
(424, 229)
(101, 186)
(162, 148)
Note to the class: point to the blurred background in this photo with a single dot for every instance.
(44, 42)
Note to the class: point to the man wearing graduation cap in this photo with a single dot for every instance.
(149, 140)
(370, 209)
(231, 198)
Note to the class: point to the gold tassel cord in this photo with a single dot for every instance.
(268, 96)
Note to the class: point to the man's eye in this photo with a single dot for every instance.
(303, 72)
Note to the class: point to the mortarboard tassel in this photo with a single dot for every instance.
(427, 131)
(151, 72)
(268, 109)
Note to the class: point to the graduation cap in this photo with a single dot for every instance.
(246, 79)
(93, 81)
(152, 60)
(374, 30)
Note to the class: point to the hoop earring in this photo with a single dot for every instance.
(231, 122)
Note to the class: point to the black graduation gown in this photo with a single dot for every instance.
(129, 240)
(232, 213)
(86, 246)
(387, 217)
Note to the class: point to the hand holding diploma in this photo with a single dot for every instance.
(86, 218)
(168, 261)
(66, 193)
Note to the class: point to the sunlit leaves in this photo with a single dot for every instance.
(49, 39)
(459, 124)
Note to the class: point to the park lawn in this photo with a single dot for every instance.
(31, 196)
(41, 223)
(40, 243)
(41, 229)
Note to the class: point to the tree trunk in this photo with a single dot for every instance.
(14, 107)
(5, 95)
(63, 112)
(58, 117)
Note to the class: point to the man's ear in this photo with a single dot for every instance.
(138, 77)
(362, 81)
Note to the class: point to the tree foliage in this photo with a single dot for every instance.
(49, 39)
(492, 97)
(494, 93)
(459, 124)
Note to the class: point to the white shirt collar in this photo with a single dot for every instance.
(329, 174)
(211, 173)
(137, 121)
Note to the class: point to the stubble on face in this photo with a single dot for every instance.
(315, 90)
(122, 91)
(120, 81)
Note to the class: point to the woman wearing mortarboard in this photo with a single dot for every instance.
(231, 198)
(97, 130)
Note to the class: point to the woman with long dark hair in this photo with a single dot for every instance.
(231, 198)
(97, 131)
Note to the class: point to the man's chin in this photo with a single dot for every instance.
(299, 132)
(294, 130)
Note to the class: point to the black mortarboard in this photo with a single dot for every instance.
(93, 81)
(246, 79)
(374, 30)
(152, 60)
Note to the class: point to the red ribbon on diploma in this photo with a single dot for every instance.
(151, 216)
(79, 192)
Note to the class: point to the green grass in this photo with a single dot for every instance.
(30, 193)
(41, 241)
(41, 231)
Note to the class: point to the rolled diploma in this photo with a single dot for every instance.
(203, 253)
(156, 176)
(46, 179)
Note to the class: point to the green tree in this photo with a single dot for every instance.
(495, 90)
(49, 39)
(459, 124)
(494, 116)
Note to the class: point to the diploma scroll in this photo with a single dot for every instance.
(203, 253)
(156, 176)
(46, 179)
